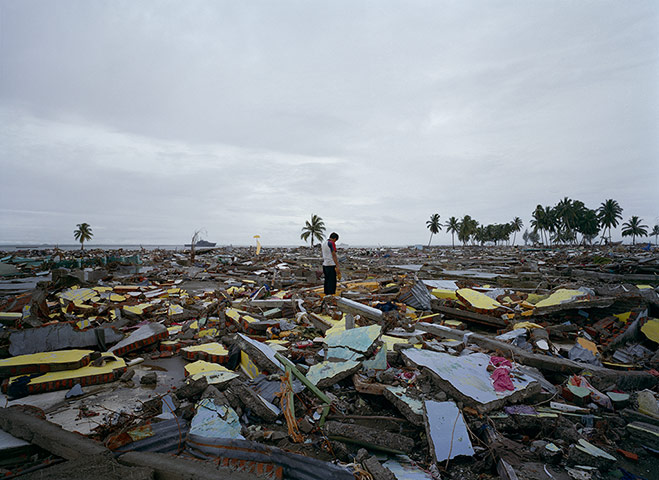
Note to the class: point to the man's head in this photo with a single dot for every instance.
(334, 236)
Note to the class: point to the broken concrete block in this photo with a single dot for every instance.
(645, 433)
(255, 402)
(352, 344)
(192, 388)
(411, 408)
(563, 295)
(369, 437)
(379, 360)
(446, 431)
(619, 400)
(76, 391)
(466, 378)
(127, 376)
(145, 335)
(377, 471)
(585, 453)
(150, 378)
(325, 374)
(405, 469)
(260, 353)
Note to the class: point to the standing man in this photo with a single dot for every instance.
(330, 263)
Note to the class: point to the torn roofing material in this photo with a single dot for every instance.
(58, 337)
(446, 430)
(215, 421)
(295, 466)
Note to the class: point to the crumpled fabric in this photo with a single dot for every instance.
(501, 375)
(502, 380)
(520, 409)
(500, 362)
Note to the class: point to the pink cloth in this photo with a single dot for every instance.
(500, 362)
(501, 379)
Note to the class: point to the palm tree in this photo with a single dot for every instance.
(466, 229)
(609, 213)
(633, 228)
(588, 224)
(433, 225)
(516, 226)
(568, 212)
(655, 233)
(452, 225)
(314, 229)
(481, 235)
(82, 234)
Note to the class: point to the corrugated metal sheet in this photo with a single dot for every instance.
(166, 437)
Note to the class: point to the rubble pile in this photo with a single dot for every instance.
(442, 363)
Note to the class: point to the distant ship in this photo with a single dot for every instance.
(201, 243)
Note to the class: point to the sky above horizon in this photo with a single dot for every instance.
(152, 119)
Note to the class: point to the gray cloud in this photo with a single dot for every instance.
(152, 119)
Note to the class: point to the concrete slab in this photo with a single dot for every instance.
(466, 378)
(326, 374)
(357, 339)
(410, 407)
(260, 353)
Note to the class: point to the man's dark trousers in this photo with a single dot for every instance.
(330, 279)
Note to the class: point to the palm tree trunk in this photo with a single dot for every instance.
(430, 239)
(453, 239)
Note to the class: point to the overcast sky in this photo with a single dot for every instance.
(152, 119)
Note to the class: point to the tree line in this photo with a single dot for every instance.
(569, 222)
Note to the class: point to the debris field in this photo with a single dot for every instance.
(428, 363)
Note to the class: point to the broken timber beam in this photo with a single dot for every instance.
(616, 277)
(350, 306)
(602, 302)
(470, 316)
